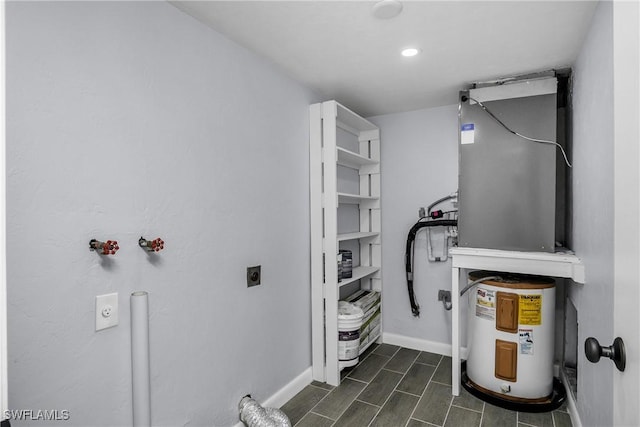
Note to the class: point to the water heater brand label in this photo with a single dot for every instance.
(530, 310)
(526, 341)
(486, 304)
(467, 133)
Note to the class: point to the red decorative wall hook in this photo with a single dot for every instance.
(151, 245)
(110, 247)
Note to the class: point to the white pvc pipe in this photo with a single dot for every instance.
(141, 378)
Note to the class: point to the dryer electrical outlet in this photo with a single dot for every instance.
(106, 311)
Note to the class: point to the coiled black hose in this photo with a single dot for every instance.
(408, 261)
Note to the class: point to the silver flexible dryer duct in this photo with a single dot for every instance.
(254, 415)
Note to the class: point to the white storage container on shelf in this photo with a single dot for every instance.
(349, 323)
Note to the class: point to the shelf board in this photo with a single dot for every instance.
(353, 198)
(359, 273)
(559, 264)
(358, 235)
(351, 120)
(353, 160)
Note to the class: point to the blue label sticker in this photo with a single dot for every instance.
(467, 133)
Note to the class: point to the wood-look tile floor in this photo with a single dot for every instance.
(398, 387)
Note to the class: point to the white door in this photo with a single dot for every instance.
(626, 71)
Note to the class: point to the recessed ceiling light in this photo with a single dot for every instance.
(410, 51)
(387, 9)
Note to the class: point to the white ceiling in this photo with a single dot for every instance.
(343, 52)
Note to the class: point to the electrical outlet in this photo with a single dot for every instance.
(106, 311)
(253, 276)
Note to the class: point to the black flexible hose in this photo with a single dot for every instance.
(411, 237)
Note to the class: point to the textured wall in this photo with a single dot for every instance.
(593, 211)
(129, 118)
(419, 152)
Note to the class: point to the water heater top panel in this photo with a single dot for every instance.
(519, 89)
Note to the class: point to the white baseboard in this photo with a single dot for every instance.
(420, 344)
(294, 387)
(571, 403)
(285, 394)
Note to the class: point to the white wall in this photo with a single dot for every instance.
(593, 211)
(420, 165)
(128, 119)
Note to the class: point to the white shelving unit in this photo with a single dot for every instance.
(325, 156)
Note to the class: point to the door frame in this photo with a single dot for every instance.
(626, 320)
(3, 247)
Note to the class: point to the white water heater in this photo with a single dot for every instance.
(511, 336)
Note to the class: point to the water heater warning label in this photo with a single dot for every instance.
(530, 310)
(486, 304)
(526, 341)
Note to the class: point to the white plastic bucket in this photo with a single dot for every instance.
(349, 323)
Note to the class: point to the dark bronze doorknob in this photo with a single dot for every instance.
(616, 352)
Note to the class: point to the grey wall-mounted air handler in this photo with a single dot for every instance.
(507, 173)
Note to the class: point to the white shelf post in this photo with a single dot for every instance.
(331, 291)
(317, 267)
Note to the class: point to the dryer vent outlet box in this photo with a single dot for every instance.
(507, 184)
